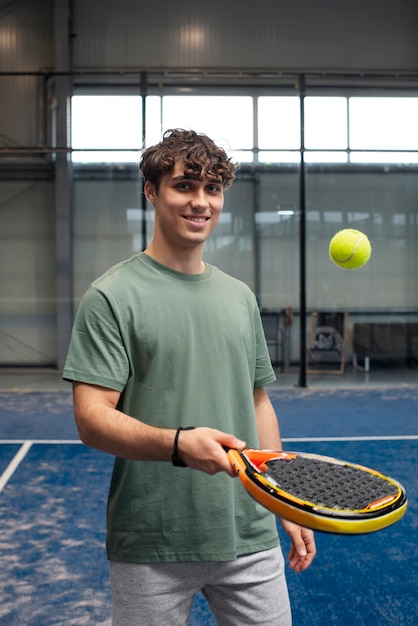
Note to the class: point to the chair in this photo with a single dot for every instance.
(327, 343)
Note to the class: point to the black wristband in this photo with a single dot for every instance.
(177, 462)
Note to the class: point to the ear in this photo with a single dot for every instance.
(150, 192)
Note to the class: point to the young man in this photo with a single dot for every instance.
(163, 342)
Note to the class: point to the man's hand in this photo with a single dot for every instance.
(203, 449)
(303, 549)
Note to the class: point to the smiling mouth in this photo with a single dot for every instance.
(195, 219)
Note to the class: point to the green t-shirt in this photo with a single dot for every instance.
(183, 350)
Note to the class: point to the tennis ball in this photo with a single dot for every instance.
(350, 249)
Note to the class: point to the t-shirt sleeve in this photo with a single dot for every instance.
(96, 354)
(264, 372)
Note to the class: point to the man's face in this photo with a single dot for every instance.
(186, 209)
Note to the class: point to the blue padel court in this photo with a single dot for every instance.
(53, 503)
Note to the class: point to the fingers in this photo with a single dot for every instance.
(300, 559)
(303, 549)
(204, 449)
(231, 442)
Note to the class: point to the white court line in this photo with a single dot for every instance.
(365, 438)
(26, 446)
(290, 439)
(39, 441)
(14, 464)
(58, 442)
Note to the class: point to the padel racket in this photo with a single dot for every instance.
(320, 492)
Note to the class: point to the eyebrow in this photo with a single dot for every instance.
(210, 179)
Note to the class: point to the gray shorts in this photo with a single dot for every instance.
(248, 591)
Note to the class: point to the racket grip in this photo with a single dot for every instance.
(236, 459)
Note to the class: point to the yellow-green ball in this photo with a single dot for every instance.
(350, 249)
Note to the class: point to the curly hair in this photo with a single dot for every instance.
(201, 157)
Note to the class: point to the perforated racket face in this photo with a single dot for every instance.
(330, 484)
(321, 492)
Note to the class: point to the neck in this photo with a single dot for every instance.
(187, 262)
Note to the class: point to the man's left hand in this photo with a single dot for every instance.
(303, 549)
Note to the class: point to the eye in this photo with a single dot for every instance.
(183, 186)
(214, 188)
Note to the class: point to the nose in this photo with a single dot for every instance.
(199, 199)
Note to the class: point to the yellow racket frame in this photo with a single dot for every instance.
(248, 465)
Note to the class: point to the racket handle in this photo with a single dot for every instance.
(236, 459)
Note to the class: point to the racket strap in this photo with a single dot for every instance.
(175, 459)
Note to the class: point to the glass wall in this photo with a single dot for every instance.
(27, 273)
(358, 155)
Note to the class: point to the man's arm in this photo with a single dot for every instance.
(102, 426)
(303, 549)
(267, 422)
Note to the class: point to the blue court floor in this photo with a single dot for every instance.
(53, 503)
